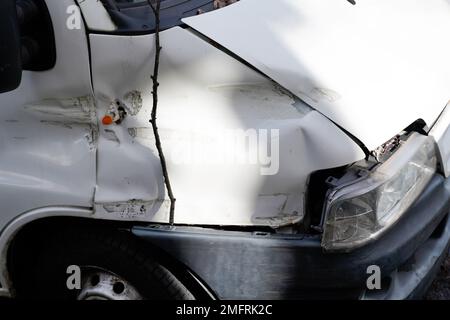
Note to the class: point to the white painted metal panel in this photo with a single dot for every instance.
(374, 67)
(48, 130)
(95, 16)
(205, 96)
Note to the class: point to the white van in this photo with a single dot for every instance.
(307, 145)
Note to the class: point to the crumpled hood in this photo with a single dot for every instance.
(373, 68)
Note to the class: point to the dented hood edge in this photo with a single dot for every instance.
(369, 68)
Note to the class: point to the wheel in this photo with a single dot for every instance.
(113, 265)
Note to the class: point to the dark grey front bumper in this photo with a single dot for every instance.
(245, 265)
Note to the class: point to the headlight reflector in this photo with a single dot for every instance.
(359, 212)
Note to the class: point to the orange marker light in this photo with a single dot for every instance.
(107, 120)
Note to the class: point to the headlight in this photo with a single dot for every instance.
(360, 211)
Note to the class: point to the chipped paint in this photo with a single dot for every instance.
(142, 133)
(132, 132)
(133, 102)
(279, 220)
(132, 210)
(325, 94)
(273, 211)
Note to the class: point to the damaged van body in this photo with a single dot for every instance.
(306, 142)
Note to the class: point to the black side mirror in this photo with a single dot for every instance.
(10, 47)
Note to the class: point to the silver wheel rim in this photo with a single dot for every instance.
(100, 284)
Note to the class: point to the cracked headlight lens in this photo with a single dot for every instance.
(359, 212)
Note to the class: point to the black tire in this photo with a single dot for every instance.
(114, 251)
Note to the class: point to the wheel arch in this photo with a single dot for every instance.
(21, 237)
